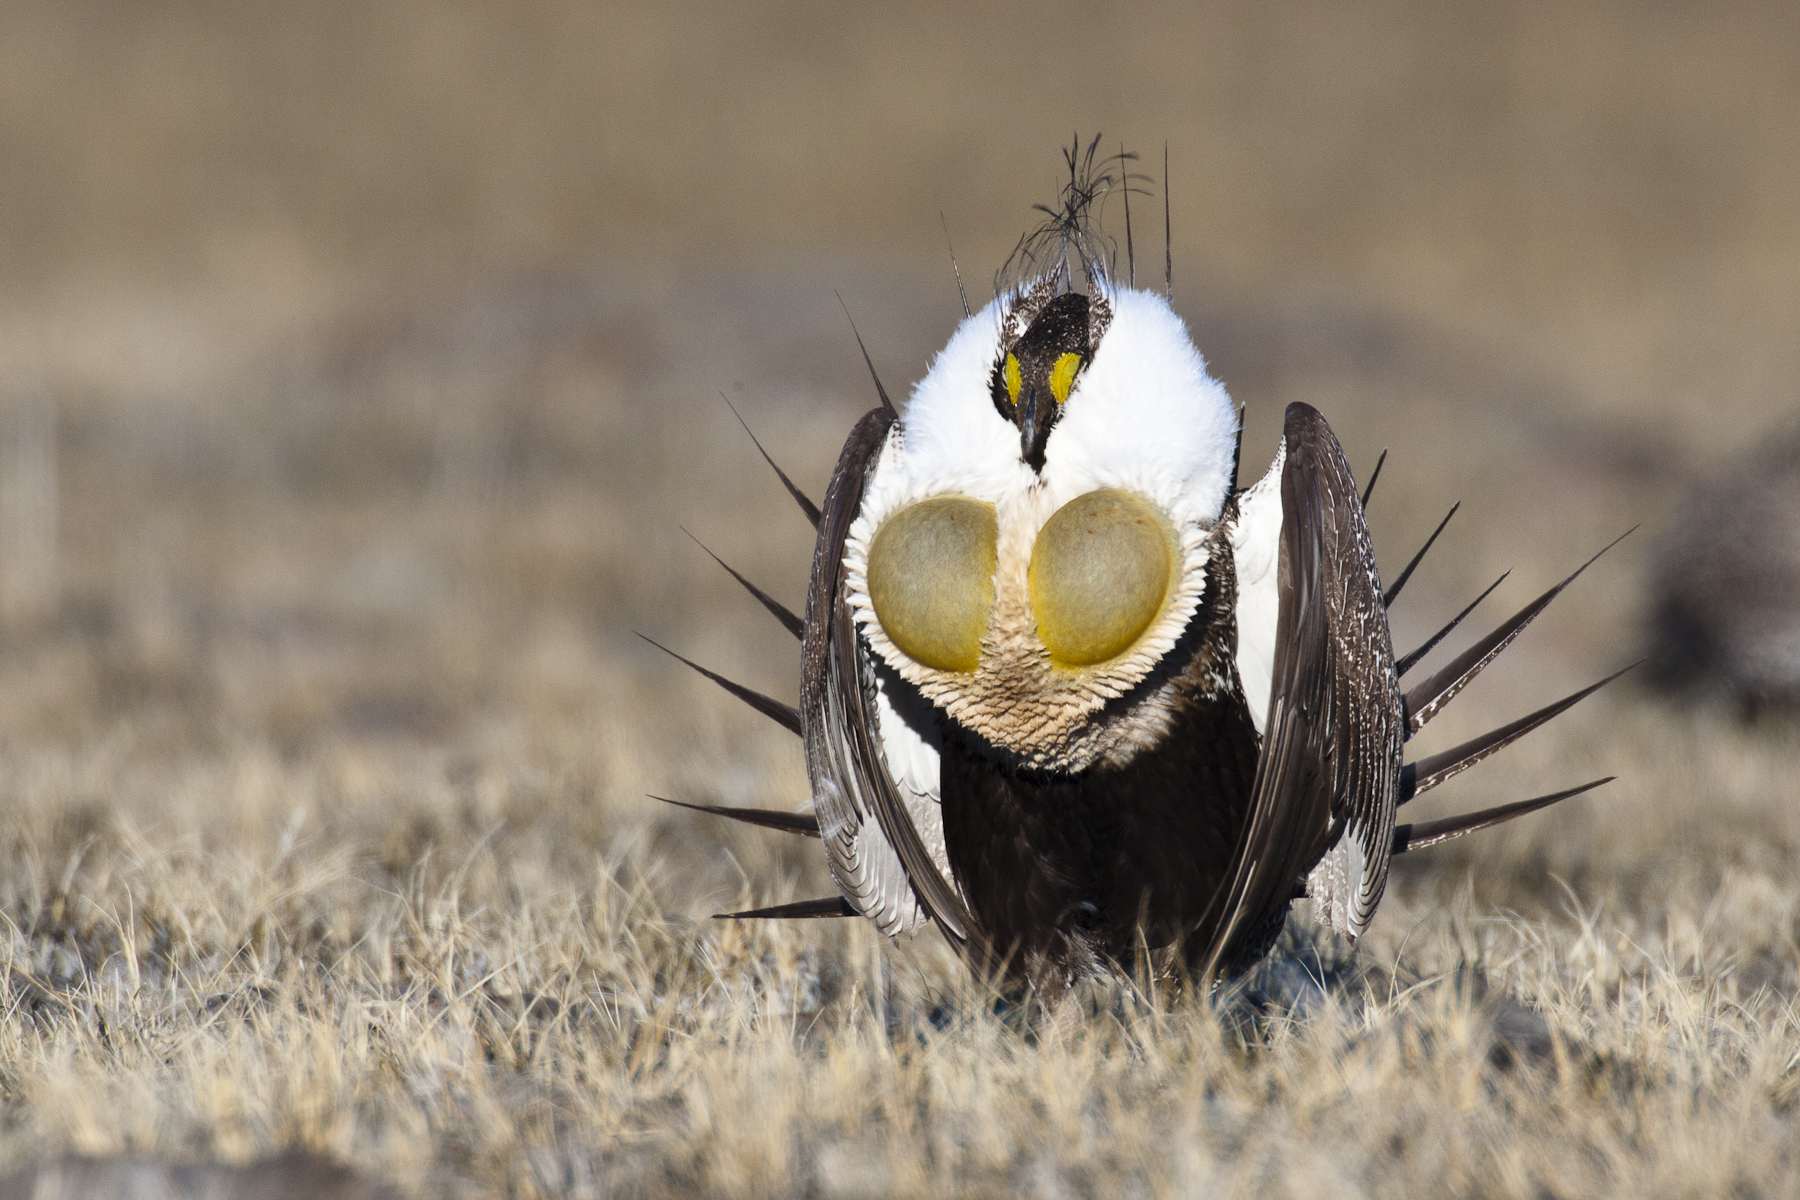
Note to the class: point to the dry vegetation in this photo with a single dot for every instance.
(359, 373)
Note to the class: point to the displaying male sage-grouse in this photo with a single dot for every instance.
(1067, 694)
(1724, 594)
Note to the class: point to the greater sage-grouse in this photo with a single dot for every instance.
(1067, 693)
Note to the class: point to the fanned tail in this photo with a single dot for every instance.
(804, 824)
(1427, 699)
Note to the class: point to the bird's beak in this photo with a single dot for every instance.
(1034, 427)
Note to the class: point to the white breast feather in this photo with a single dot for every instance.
(951, 439)
(1145, 415)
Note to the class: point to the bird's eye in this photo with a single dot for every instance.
(1062, 376)
(931, 580)
(1101, 570)
(1013, 377)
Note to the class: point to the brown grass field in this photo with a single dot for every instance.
(359, 371)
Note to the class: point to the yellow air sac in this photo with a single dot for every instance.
(931, 580)
(1101, 571)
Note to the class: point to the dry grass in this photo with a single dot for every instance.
(359, 371)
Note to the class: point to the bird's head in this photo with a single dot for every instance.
(1033, 541)
(1036, 372)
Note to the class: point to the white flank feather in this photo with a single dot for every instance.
(1256, 556)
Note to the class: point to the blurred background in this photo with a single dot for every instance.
(359, 365)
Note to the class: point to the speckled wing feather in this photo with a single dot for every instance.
(872, 836)
(1322, 804)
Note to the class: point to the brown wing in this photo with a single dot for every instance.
(872, 840)
(1322, 804)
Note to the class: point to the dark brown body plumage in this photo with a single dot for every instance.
(1081, 868)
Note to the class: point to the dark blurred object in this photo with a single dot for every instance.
(289, 1177)
(1725, 583)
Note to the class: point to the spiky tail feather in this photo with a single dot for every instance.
(1393, 592)
(880, 392)
(1369, 487)
(824, 906)
(1420, 834)
(803, 823)
(801, 498)
(789, 619)
(1407, 662)
(784, 715)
